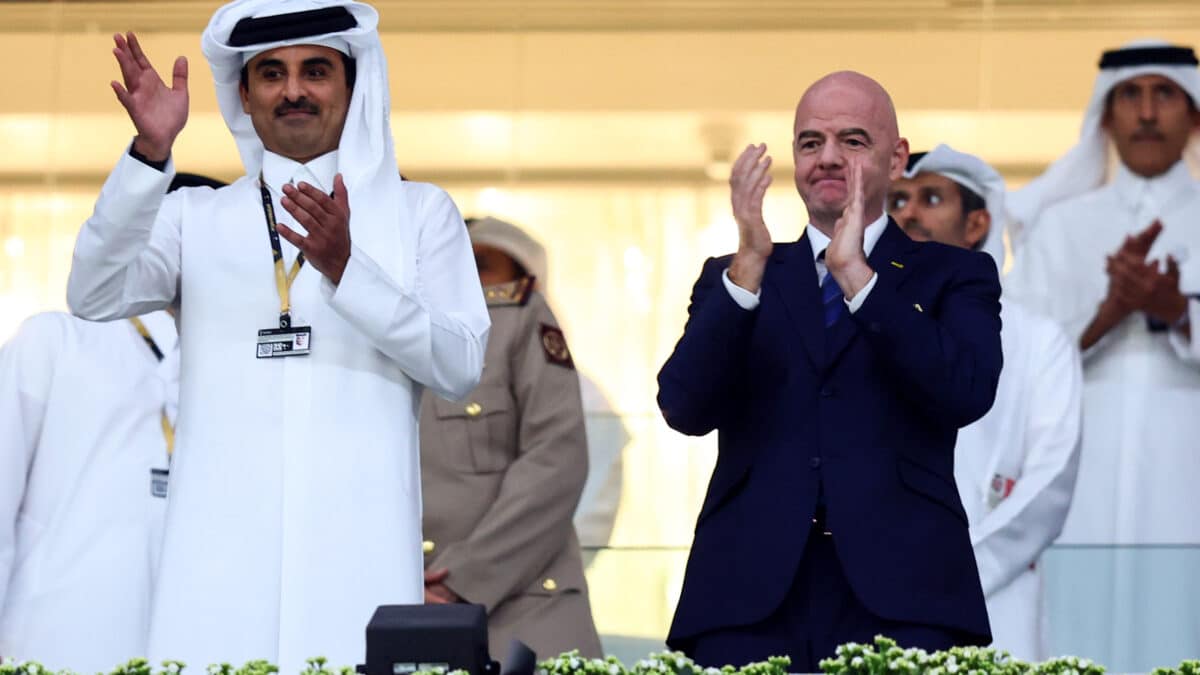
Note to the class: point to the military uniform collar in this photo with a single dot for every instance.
(513, 293)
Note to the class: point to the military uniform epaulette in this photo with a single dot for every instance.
(514, 293)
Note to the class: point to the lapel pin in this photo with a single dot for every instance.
(918, 306)
(897, 265)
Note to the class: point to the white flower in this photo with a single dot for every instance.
(952, 667)
(857, 661)
(614, 669)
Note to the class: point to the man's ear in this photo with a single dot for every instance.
(899, 160)
(979, 222)
(245, 94)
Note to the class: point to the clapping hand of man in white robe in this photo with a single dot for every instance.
(844, 257)
(327, 219)
(1137, 284)
(748, 182)
(158, 112)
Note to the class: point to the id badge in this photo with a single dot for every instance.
(280, 342)
(158, 483)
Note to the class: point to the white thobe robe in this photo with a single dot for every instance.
(81, 409)
(1016, 468)
(1139, 462)
(295, 497)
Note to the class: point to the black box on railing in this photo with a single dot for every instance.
(409, 638)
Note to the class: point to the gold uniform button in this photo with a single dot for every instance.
(473, 409)
(427, 546)
(550, 585)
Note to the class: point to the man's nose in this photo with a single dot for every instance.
(293, 89)
(831, 156)
(1147, 109)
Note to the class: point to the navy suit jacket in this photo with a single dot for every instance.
(870, 408)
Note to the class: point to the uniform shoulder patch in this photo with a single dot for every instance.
(555, 346)
(512, 294)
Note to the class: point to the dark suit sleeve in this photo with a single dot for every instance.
(695, 382)
(947, 362)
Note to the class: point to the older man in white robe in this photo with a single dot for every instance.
(295, 504)
(1015, 467)
(1118, 265)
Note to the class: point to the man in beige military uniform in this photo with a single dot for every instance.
(502, 472)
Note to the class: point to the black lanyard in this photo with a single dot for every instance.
(283, 281)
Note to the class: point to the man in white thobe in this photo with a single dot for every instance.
(1015, 467)
(1117, 265)
(295, 504)
(86, 411)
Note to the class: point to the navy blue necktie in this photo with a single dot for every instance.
(831, 297)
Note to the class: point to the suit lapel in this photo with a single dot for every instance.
(792, 278)
(889, 259)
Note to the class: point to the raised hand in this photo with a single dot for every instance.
(748, 182)
(158, 112)
(327, 219)
(845, 257)
(1139, 244)
(1136, 285)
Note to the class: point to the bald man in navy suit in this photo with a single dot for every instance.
(837, 371)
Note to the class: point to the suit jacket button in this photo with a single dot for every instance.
(473, 409)
(815, 462)
(427, 546)
(550, 585)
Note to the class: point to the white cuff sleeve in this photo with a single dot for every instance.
(861, 297)
(1185, 349)
(744, 298)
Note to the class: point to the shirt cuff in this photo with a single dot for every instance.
(859, 298)
(744, 298)
(1185, 349)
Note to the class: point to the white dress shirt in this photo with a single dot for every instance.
(819, 242)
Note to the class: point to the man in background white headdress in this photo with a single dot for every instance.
(1016, 466)
(1118, 266)
(295, 499)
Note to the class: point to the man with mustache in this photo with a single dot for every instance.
(1016, 466)
(295, 497)
(837, 370)
(1118, 265)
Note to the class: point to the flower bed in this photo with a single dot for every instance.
(883, 657)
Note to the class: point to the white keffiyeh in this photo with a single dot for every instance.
(1085, 166)
(978, 176)
(366, 152)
